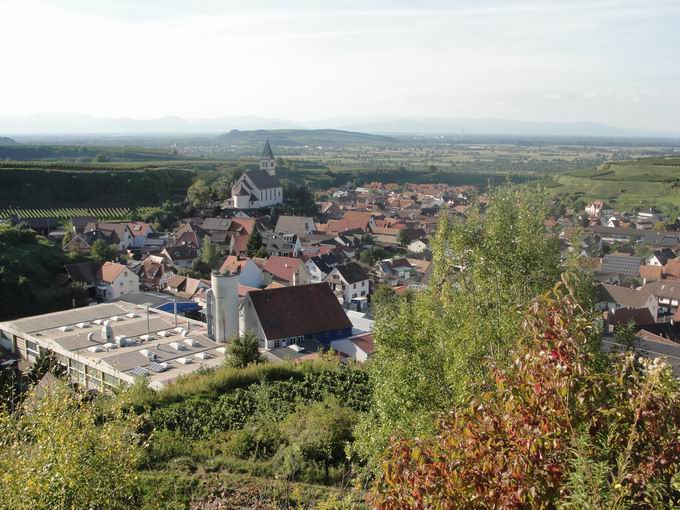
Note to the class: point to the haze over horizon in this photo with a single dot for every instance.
(608, 62)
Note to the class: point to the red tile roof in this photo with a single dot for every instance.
(282, 267)
(111, 271)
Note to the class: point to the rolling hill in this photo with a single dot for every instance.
(5, 140)
(302, 137)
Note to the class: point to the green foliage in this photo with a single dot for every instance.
(298, 200)
(625, 335)
(255, 247)
(402, 238)
(221, 186)
(556, 428)
(58, 454)
(242, 351)
(28, 266)
(198, 194)
(431, 345)
(46, 362)
(200, 416)
(101, 251)
(210, 253)
(316, 433)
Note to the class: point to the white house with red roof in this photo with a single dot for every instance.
(249, 273)
(115, 281)
(140, 232)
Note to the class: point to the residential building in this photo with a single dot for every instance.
(115, 280)
(249, 273)
(287, 270)
(284, 316)
(301, 226)
(350, 281)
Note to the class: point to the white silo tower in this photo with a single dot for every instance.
(225, 309)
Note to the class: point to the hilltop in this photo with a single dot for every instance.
(5, 140)
(301, 137)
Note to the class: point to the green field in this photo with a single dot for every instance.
(626, 184)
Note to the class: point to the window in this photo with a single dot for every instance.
(354, 295)
(363, 292)
(32, 348)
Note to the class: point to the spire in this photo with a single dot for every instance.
(267, 151)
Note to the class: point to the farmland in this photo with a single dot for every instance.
(101, 213)
(626, 184)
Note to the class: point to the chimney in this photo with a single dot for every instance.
(295, 278)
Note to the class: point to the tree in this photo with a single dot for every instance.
(62, 453)
(210, 253)
(28, 266)
(402, 238)
(46, 362)
(317, 433)
(431, 346)
(243, 350)
(68, 236)
(625, 335)
(255, 246)
(558, 427)
(384, 295)
(101, 251)
(198, 194)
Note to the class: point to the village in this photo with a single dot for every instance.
(305, 285)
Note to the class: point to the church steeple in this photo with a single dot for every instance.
(267, 162)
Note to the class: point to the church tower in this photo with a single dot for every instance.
(267, 162)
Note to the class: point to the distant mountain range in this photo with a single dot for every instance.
(5, 140)
(293, 137)
(57, 123)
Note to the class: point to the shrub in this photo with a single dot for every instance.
(558, 429)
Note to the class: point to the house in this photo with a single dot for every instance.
(86, 274)
(392, 271)
(117, 233)
(359, 347)
(350, 281)
(287, 270)
(282, 245)
(301, 226)
(180, 255)
(599, 208)
(185, 287)
(154, 272)
(417, 246)
(249, 273)
(258, 188)
(352, 221)
(319, 266)
(115, 280)
(140, 231)
(284, 316)
(660, 257)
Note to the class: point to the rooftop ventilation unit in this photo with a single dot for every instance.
(110, 345)
(66, 328)
(116, 318)
(191, 342)
(90, 337)
(131, 315)
(163, 334)
(146, 338)
(177, 346)
(178, 329)
(95, 348)
(296, 347)
(221, 350)
(121, 340)
(159, 367)
(203, 355)
(140, 372)
(83, 325)
(184, 361)
(99, 322)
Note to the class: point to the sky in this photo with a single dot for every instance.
(608, 61)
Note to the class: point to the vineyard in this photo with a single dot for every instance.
(101, 213)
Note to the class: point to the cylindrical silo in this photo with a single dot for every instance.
(225, 311)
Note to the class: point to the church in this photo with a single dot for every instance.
(258, 188)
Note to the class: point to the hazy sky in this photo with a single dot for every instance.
(611, 61)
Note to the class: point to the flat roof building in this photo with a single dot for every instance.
(107, 345)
